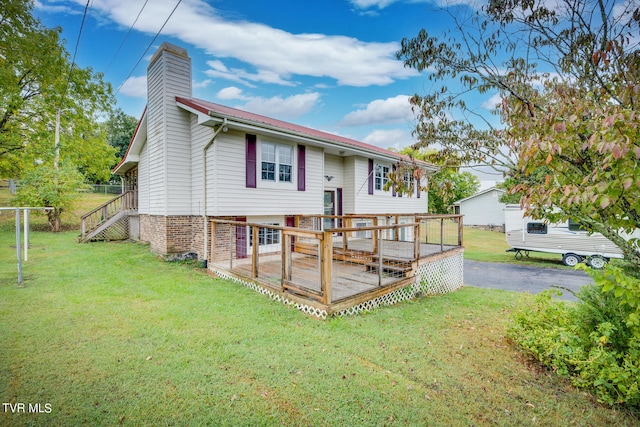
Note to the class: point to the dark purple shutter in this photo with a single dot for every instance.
(302, 179)
(418, 186)
(251, 161)
(371, 177)
(393, 185)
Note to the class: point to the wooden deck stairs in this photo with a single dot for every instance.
(394, 267)
(109, 221)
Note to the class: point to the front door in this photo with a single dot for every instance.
(329, 209)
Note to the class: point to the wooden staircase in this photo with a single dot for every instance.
(109, 221)
(393, 267)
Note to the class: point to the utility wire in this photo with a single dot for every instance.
(75, 52)
(126, 37)
(147, 49)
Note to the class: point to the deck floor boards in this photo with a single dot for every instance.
(348, 278)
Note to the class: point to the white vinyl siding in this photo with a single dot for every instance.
(334, 169)
(382, 201)
(484, 209)
(143, 181)
(169, 136)
(350, 186)
(201, 135)
(229, 196)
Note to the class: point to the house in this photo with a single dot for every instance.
(195, 159)
(483, 209)
(211, 181)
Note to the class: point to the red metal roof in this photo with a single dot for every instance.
(205, 107)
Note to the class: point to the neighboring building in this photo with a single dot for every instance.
(191, 160)
(483, 209)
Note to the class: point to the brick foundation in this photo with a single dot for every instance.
(168, 235)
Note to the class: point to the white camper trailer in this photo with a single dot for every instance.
(525, 235)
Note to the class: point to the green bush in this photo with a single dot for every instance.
(592, 342)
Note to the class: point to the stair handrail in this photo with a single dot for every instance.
(94, 218)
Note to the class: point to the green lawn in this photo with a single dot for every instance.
(491, 246)
(107, 334)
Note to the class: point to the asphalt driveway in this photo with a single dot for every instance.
(523, 278)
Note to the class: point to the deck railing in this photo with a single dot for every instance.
(103, 213)
(329, 266)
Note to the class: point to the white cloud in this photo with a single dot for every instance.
(367, 4)
(492, 102)
(219, 70)
(381, 111)
(382, 4)
(231, 92)
(276, 55)
(393, 138)
(202, 84)
(290, 107)
(135, 86)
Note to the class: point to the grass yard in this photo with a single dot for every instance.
(38, 220)
(491, 246)
(107, 334)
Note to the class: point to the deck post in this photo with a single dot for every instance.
(286, 257)
(254, 253)
(325, 266)
(380, 260)
(374, 236)
(396, 233)
(416, 241)
(231, 240)
(460, 228)
(441, 234)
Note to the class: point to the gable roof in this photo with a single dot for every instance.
(481, 193)
(236, 115)
(210, 113)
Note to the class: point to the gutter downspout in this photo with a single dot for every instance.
(222, 127)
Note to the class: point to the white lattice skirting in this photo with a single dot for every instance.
(440, 276)
(117, 231)
(432, 278)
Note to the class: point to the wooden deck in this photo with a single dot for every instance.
(348, 278)
(331, 271)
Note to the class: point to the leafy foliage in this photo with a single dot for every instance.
(568, 81)
(590, 342)
(38, 78)
(120, 129)
(445, 186)
(46, 186)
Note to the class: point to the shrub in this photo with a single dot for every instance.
(591, 342)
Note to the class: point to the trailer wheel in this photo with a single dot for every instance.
(596, 261)
(571, 260)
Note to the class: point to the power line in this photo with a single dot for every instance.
(75, 52)
(127, 36)
(147, 49)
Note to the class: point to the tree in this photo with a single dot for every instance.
(569, 84)
(38, 79)
(445, 186)
(47, 186)
(120, 129)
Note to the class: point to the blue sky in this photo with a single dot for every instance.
(326, 64)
